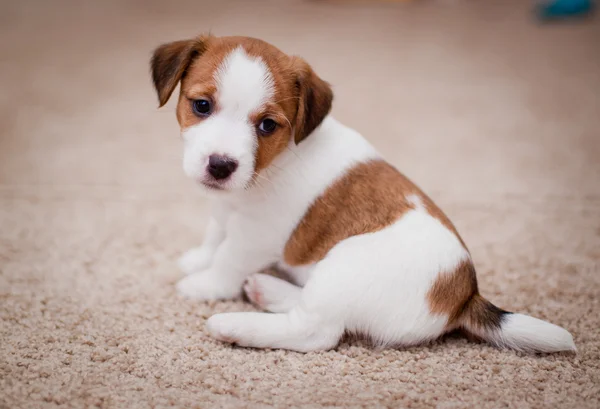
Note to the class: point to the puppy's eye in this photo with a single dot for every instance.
(201, 107)
(267, 126)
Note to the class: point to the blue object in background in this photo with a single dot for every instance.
(559, 9)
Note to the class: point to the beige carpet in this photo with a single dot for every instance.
(496, 117)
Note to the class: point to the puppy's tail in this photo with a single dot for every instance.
(515, 331)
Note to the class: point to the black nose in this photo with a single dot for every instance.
(221, 167)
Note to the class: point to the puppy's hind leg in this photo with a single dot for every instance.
(316, 321)
(296, 330)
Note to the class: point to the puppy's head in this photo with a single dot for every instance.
(241, 102)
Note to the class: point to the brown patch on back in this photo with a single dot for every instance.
(369, 197)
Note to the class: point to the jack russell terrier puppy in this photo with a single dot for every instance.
(368, 251)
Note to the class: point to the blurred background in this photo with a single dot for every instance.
(492, 111)
(481, 85)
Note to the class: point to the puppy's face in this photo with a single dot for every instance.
(241, 102)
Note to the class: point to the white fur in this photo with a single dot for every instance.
(244, 84)
(373, 283)
(299, 275)
(529, 334)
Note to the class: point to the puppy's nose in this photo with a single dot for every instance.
(221, 167)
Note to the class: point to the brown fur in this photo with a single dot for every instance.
(455, 294)
(301, 99)
(169, 63)
(369, 197)
(480, 315)
(315, 98)
(452, 290)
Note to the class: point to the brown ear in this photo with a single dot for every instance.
(315, 97)
(169, 62)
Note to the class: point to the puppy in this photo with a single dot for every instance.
(368, 251)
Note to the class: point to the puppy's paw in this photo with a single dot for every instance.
(195, 260)
(253, 291)
(205, 287)
(223, 327)
(271, 293)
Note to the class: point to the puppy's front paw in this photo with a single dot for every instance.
(195, 260)
(205, 287)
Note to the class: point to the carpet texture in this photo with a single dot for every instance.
(496, 117)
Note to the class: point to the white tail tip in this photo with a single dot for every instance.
(528, 334)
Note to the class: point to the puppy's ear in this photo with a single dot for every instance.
(169, 62)
(314, 103)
